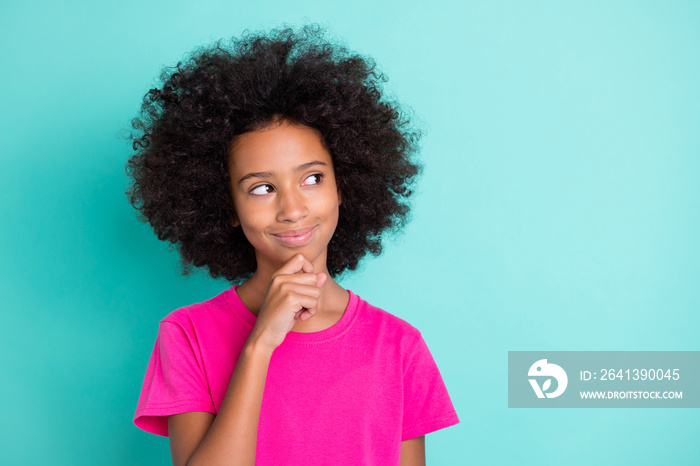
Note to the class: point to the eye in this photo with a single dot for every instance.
(315, 178)
(261, 189)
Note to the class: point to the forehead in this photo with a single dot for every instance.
(277, 146)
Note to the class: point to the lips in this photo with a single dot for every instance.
(297, 237)
(298, 232)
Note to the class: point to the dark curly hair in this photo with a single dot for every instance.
(186, 127)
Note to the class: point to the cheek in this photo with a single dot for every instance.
(328, 204)
(332, 198)
(253, 221)
(332, 211)
(250, 217)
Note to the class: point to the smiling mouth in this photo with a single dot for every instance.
(295, 237)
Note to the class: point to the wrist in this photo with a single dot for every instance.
(255, 346)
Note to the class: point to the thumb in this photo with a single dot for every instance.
(321, 279)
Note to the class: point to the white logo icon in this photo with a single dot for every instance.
(542, 368)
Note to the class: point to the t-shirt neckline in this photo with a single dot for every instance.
(332, 332)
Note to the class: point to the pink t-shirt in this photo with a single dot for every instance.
(348, 394)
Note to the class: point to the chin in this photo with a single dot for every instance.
(282, 257)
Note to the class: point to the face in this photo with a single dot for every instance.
(284, 193)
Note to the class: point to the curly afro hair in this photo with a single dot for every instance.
(185, 129)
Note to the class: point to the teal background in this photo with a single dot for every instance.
(559, 210)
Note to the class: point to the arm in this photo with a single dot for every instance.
(230, 437)
(413, 452)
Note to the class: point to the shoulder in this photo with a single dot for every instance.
(388, 326)
(200, 314)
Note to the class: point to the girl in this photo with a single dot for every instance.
(275, 163)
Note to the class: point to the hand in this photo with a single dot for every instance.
(292, 295)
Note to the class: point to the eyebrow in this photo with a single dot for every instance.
(271, 174)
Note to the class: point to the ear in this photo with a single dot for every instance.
(234, 221)
(340, 197)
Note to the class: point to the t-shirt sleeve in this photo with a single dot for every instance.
(175, 381)
(427, 405)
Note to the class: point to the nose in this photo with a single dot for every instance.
(291, 206)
